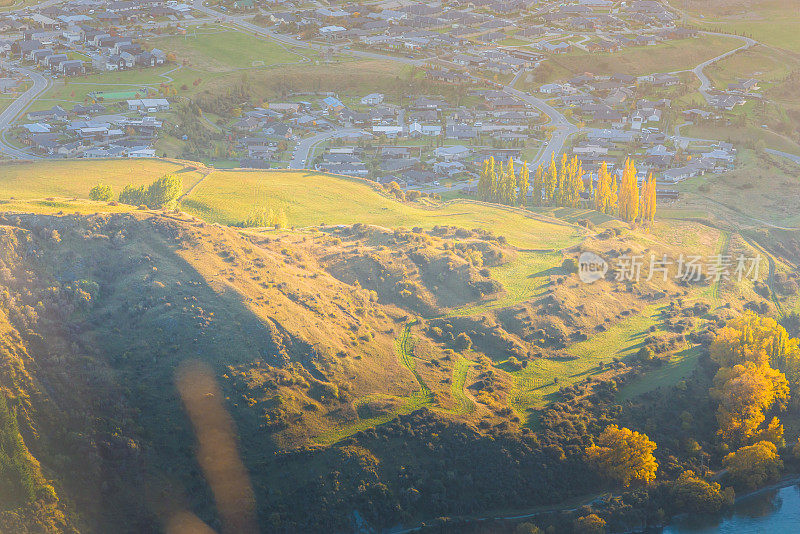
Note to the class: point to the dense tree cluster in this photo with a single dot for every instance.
(101, 192)
(755, 355)
(268, 217)
(563, 184)
(502, 184)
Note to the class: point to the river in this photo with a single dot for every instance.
(775, 511)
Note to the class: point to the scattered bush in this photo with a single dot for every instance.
(101, 193)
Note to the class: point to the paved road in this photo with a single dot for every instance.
(786, 155)
(563, 128)
(8, 115)
(304, 147)
(705, 83)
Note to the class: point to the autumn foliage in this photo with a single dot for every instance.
(754, 465)
(624, 455)
(563, 184)
(758, 370)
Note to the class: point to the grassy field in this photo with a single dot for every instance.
(760, 191)
(68, 90)
(460, 370)
(535, 384)
(670, 56)
(773, 22)
(210, 54)
(216, 49)
(760, 62)
(74, 178)
(229, 197)
(680, 366)
(526, 277)
(746, 136)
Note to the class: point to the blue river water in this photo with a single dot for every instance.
(774, 511)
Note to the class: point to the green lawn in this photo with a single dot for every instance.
(524, 278)
(309, 199)
(463, 403)
(679, 367)
(76, 89)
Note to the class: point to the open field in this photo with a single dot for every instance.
(523, 278)
(760, 62)
(216, 49)
(773, 22)
(74, 178)
(677, 55)
(680, 366)
(757, 193)
(746, 136)
(229, 197)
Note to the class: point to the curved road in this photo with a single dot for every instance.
(304, 147)
(563, 128)
(705, 83)
(16, 108)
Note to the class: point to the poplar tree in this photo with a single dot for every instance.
(538, 186)
(523, 183)
(551, 181)
(484, 182)
(508, 190)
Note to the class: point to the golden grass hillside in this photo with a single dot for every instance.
(74, 178)
(309, 198)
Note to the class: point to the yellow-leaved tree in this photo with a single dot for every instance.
(759, 367)
(624, 455)
(745, 392)
(754, 465)
(761, 340)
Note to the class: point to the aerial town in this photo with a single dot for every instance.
(484, 81)
(399, 266)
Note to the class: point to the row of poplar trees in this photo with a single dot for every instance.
(563, 185)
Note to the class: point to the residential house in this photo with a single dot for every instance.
(451, 153)
(372, 99)
(149, 105)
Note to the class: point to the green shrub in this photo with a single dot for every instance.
(463, 342)
(163, 193)
(102, 193)
(570, 265)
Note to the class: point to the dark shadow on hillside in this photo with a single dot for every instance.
(153, 312)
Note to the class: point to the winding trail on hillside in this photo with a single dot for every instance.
(772, 266)
(405, 346)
